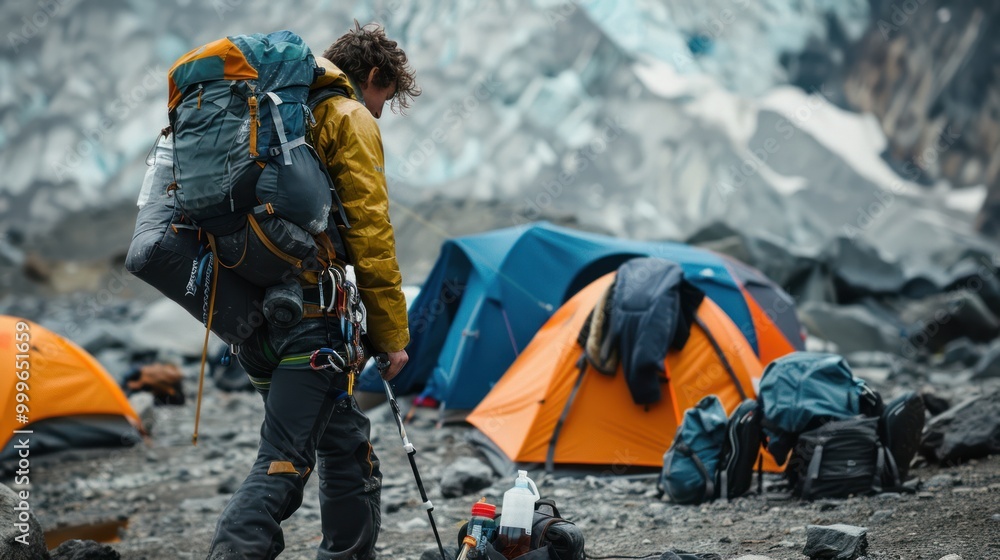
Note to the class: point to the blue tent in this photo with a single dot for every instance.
(488, 294)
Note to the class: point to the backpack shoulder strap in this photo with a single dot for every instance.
(812, 473)
(320, 95)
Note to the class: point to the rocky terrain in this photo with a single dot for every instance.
(168, 495)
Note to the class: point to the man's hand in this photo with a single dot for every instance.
(396, 362)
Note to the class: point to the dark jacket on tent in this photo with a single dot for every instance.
(652, 308)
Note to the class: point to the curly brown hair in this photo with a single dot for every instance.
(366, 47)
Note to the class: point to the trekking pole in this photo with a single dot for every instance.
(382, 362)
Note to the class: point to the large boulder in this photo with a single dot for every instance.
(464, 476)
(21, 536)
(969, 430)
(835, 542)
(937, 320)
(853, 328)
(860, 270)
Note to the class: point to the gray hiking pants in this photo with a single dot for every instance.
(307, 416)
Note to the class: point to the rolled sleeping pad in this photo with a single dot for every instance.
(173, 259)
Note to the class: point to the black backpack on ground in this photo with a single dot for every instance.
(860, 455)
(548, 528)
(740, 450)
(838, 459)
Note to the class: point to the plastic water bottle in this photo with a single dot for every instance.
(482, 526)
(516, 517)
(160, 172)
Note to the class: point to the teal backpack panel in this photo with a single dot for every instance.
(690, 465)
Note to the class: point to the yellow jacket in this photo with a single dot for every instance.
(348, 141)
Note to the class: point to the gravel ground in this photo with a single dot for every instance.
(171, 493)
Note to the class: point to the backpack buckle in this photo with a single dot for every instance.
(274, 152)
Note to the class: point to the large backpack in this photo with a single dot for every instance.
(243, 171)
(803, 390)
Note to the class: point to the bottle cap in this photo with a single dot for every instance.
(482, 509)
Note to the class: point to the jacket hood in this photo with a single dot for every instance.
(333, 76)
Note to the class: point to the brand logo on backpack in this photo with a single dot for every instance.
(243, 134)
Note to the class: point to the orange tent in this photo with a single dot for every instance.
(67, 399)
(602, 424)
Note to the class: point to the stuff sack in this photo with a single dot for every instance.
(689, 466)
(802, 390)
(838, 459)
(168, 255)
(238, 110)
(740, 450)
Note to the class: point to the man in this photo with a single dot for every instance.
(308, 413)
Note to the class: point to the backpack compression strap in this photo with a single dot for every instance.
(279, 125)
(685, 450)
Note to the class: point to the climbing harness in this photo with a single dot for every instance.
(346, 305)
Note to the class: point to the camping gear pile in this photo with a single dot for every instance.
(529, 527)
(645, 353)
(837, 436)
(563, 401)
